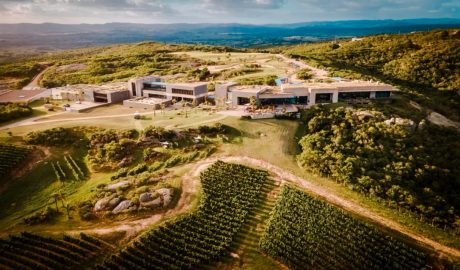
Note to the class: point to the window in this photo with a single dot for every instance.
(157, 96)
(155, 87)
(354, 95)
(323, 98)
(243, 100)
(182, 91)
(382, 94)
(133, 86)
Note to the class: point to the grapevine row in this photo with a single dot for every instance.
(304, 232)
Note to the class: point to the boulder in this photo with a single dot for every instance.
(166, 194)
(122, 184)
(125, 162)
(122, 206)
(152, 204)
(145, 197)
(113, 203)
(406, 123)
(101, 204)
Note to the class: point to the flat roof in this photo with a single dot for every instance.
(103, 88)
(20, 95)
(337, 84)
(149, 100)
(251, 89)
(185, 84)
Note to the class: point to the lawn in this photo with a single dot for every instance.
(109, 119)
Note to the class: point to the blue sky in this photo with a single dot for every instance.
(220, 11)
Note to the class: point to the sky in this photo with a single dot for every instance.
(220, 11)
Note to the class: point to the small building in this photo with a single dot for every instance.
(153, 87)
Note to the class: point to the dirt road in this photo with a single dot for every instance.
(317, 73)
(33, 85)
(191, 184)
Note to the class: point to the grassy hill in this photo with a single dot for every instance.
(104, 64)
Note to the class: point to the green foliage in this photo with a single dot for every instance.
(230, 194)
(304, 74)
(85, 210)
(41, 216)
(415, 169)
(260, 80)
(304, 232)
(13, 111)
(53, 137)
(10, 157)
(138, 169)
(24, 71)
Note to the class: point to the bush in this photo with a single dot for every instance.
(85, 210)
(13, 111)
(138, 169)
(41, 217)
(304, 74)
(52, 137)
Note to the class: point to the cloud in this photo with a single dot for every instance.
(242, 11)
(244, 4)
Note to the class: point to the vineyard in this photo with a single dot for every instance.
(31, 251)
(71, 165)
(10, 157)
(230, 193)
(304, 232)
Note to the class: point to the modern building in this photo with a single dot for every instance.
(107, 93)
(153, 87)
(309, 94)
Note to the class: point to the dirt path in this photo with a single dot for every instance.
(33, 85)
(317, 73)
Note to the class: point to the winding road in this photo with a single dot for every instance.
(190, 185)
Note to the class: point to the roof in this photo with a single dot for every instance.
(20, 95)
(255, 89)
(103, 88)
(341, 86)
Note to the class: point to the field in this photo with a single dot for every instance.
(304, 231)
(30, 251)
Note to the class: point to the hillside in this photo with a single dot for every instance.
(424, 63)
(103, 64)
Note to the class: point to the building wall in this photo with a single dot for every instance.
(115, 97)
(138, 105)
(198, 92)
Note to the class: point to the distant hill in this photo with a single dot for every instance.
(48, 36)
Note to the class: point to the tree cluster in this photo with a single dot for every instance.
(13, 111)
(416, 168)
